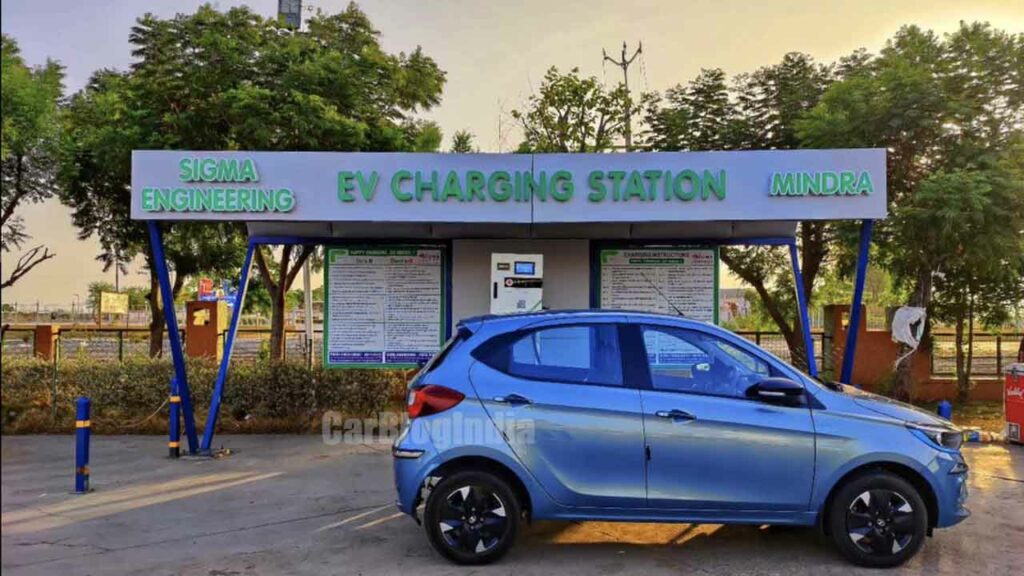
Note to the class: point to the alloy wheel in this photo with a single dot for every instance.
(880, 522)
(473, 519)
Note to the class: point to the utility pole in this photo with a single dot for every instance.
(624, 64)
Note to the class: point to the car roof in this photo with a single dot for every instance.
(585, 314)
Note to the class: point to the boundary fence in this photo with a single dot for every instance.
(991, 352)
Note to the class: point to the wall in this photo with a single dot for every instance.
(876, 355)
(566, 273)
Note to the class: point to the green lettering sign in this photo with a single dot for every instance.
(843, 183)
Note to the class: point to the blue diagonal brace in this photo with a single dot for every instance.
(173, 335)
(229, 341)
(858, 297)
(801, 300)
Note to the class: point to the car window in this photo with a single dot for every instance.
(578, 354)
(691, 361)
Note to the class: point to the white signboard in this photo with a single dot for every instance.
(786, 185)
(383, 306)
(676, 281)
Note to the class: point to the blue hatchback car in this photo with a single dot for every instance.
(636, 417)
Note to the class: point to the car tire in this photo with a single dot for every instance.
(472, 517)
(878, 520)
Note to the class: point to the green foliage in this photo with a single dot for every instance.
(950, 112)
(966, 227)
(757, 110)
(29, 113)
(92, 301)
(137, 297)
(936, 104)
(124, 394)
(462, 143)
(257, 298)
(234, 80)
(700, 115)
(756, 319)
(423, 136)
(573, 114)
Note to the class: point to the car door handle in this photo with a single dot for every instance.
(513, 399)
(675, 414)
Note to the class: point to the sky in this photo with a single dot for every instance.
(495, 54)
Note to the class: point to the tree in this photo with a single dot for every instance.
(947, 106)
(103, 124)
(423, 136)
(700, 115)
(462, 143)
(92, 301)
(136, 298)
(287, 268)
(966, 225)
(758, 110)
(573, 114)
(236, 81)
(29, 110)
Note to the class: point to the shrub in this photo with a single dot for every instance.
(285, 395)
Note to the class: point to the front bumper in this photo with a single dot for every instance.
(951, 491)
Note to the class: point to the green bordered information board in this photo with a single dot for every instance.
(383, 306)
(668, 280)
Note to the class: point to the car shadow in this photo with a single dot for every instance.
(733, 548)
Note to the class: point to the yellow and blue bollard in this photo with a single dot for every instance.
(174, 425)
(82, 445)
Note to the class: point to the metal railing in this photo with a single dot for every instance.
(120, 343)
(991, 352)
(775, 343)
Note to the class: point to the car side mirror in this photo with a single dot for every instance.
(777, 391)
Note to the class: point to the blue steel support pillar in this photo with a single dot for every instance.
(229, 341)
(173, 335)
(805, 321)
(858, 296)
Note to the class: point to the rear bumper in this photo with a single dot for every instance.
(409, 477)
(412, 458)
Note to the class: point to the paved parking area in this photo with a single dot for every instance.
(293, 505)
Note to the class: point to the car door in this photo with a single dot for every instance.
(710, 446)
(559, 395)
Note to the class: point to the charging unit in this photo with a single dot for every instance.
(517, 283)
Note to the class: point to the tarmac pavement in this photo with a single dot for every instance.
(294, 505)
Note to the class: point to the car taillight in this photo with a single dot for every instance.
(431, 399)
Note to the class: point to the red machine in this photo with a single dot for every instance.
(1013, 402)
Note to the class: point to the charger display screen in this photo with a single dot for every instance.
(526, 268)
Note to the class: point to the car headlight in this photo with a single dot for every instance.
(947, 438)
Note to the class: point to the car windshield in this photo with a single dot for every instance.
(816, 381)
(819, 382)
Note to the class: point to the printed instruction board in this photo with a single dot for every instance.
(383, 306)
(670, 280)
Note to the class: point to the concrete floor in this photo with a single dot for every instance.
(291, 504)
